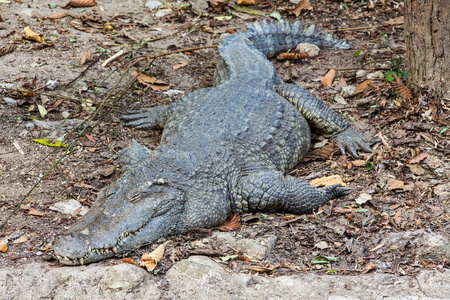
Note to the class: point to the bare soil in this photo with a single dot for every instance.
(411, 160)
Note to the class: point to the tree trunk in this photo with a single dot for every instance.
(427, 37)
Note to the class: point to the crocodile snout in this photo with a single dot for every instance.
(72, 248)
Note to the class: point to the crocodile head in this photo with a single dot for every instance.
(133, 211)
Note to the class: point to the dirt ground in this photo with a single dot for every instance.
(396, 190)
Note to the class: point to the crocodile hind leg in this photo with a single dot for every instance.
(270, 190)
(325, 120)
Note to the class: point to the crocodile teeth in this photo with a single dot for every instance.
(89, 249)
(81, 260)
(59, 257)
(114, 249)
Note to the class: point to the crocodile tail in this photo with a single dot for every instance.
(272, 39)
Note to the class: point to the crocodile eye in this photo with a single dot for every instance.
(134, 195)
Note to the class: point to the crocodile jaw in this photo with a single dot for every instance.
(125, 216)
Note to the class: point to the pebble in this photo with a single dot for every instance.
(310, 49)
(10, 101)
(375, 75)
(52, 85)
(163, 12)
(347, 91)
(153, 4)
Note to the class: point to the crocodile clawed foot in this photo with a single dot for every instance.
(351, 140)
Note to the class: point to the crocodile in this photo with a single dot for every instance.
(226, 148)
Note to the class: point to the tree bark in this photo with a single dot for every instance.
(427, 37)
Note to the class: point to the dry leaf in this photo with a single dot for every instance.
(206, 252)
(35, 212)
(230, 31)
(327, 180)
(207, 29)
(218, 5)
(327, 80)
(398, 216)
(57, 15)
(395, 21)
(363, 198)
(322, 153)
(150, 260)
(358, 163)
(400, 88)
(45, 249)
(128, 261)
(80, 3)
(421, 156)
(3, 248)
(363, 86)
(416, 169)
(88, 56)
(8, 49)
(32, 36)
(292, 56)
(304, 4)
(151, 81)
(368, 268)
(233, 222)
(246, 2)
(393, 184)
(180, 64)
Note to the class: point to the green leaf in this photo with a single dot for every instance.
(228, 257)
(323, 259)
(444, 130)
(362, 210)
(388, 76)
(51, 5)
(245, 9)
(369, 165)
(50, 142)
(276, 15)
(405, 74)
(264, 216)
(224, 18)
(331, 272)
(82, 10)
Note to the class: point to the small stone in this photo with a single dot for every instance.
(347, 91)
(153, 4)
(442, 191)
(310, 49)
(65, 114)
(52, 85)
(163, 12)
(172, 93)
(322, 245)
(361, 73)
(339, 99)
(10, 101)
(375, 75)
(67, 207)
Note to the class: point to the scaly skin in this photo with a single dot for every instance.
(223, 149)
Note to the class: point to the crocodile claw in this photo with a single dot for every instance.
(351, 140)
(335, 191)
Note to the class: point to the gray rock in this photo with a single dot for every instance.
(153, 4)
(10, 101)
(163, 12)
(361, 73)
(38, 281)
(69, 207)
(347, 91)
(257, 248)
(375, 75)
(442, 191)
(52, 85)
(339, 99)
(310, 49)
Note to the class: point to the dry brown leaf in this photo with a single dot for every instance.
(233, 222)
(150, 260)
(421, 156)
(359, 163)
(393, 184)
(8, 49)
(302, 5)
(230, 31)
(400, 88)
(246, 2)
(57, 15)
(218, 5)
(180, 65)
(84, 185)
(3, 248)
(416, 169)
(80, 3)
(292, 56)
(206, 252)
(35, 212)
(398, 216)
(207, 29)
(327, 80)
(368, 268)
(322, 153)
(343, 210)
(78, 24)
(261, 269)
(32, 36)
(45, 249)
(128, 261)
(88, 56)
(153, 82)
(363, 86)
(395, 21)
(327, 180)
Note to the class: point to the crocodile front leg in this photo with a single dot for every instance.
(325, 120)
(270, 190)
